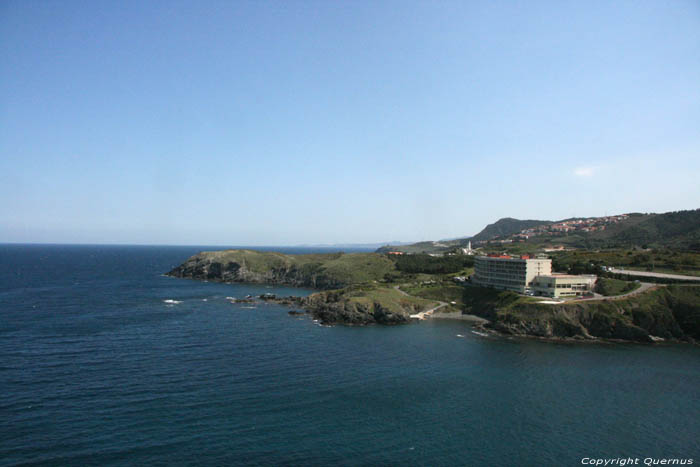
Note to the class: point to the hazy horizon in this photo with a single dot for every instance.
(277, 123)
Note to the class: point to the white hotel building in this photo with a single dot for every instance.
(506, 272)
(521, 274)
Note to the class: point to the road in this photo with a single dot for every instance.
(654, 274)
(643, 287)
(425, 313)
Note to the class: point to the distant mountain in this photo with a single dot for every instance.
(677, 229)
(501, 228)
(352, 245)
(506, 227)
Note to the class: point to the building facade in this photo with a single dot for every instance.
(563, 285)
(509, 273)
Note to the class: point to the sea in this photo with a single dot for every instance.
(106, 361)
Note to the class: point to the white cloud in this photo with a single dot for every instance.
(584, 171)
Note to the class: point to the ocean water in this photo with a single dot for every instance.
(98, 368)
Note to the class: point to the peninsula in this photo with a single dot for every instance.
(378, 288)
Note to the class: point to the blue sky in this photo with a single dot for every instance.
(277, 123)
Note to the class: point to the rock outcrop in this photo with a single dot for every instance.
(334, 307)
(318, 271)
(216, 268)
(668, 313)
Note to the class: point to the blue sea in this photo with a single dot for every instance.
(104, 361)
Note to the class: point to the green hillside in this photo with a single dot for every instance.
(679, 229)
(671, 312)
(312, 270)
(505, 227)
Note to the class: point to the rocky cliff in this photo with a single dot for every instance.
(319, 271)
(359, 307)
(207, 268)
(668, 313)
(339, 307)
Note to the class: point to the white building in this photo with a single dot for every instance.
(468, 250)
(563, 285)
(509, 273)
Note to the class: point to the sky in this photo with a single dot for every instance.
(317, 122)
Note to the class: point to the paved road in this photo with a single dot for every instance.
(654, 274)
(643, 287)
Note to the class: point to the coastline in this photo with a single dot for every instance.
(364, 289)
(460, 317)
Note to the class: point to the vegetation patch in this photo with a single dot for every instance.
(442, 291)
(612, 287)
(426, 264)
(387, 297)
(671, 312)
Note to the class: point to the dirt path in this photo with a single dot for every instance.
(425, 313)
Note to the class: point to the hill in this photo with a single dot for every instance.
(506, 227)
(670, 313)
(678, 229)
(501, 228)
(322, 271)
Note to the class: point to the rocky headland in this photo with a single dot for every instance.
(664, 314)
(319, 271)
(357, 289)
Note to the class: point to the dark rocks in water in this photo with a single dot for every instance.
(289, 301)
(297, 312)
(241, 300)
(333, 308)
(268, 296)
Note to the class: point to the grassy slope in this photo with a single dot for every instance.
(441, 291)
(388, 297)
(505, 227)
(612, 287)
(348, 268)
(669, 312)
(678, 262)
(681, 228)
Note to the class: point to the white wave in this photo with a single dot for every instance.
(204, 299)
(230, 298)
(459, 335)
(172, 302)
(483, 334)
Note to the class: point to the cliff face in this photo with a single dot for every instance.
(332, 308)
(211, 268)
(669, 313)
(320, 271)
(353, 295)
(358, 307)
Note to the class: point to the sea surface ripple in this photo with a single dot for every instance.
(104, 361)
